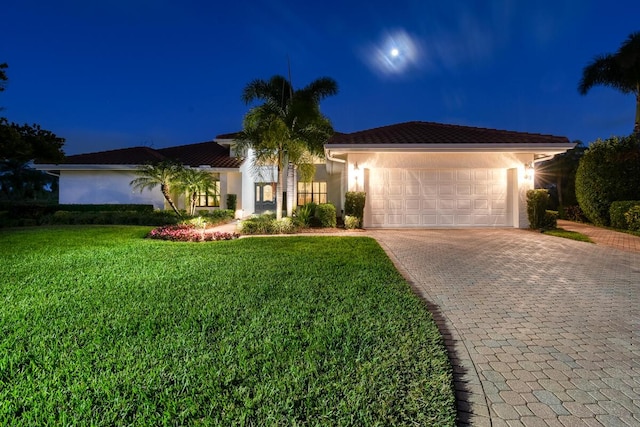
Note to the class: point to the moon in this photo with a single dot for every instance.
(395, 52)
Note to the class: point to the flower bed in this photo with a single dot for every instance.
(189, 233)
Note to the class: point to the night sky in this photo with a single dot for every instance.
(121, 73)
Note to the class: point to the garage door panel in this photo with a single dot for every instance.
(446, 204)
(446, 189)
(429, 204)
(412, 205)
(437, 198)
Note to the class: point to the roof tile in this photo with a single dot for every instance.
(204, 153)
(437, 133)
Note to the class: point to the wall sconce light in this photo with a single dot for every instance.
(355, 167)
(528, 171)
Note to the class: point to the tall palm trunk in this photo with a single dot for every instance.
(165, 192)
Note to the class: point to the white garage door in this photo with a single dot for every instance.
(436, 198)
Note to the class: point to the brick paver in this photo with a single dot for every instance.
(541, 331)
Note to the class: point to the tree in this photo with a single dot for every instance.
(609, 171)
(620, 71)
(558, 176)
(287, 128)
(161, 174)
(196, 182)
(24, 143)
(3, 75)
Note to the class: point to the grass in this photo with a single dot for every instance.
(573, 235)
(101, 327)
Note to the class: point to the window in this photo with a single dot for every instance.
(210, 200)
(315, 192)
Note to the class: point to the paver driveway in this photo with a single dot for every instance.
(542, 331)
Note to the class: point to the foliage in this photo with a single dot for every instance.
(23, 143)
(287, 129)
(354, 204)
(550, 220)
(326, 215)
(617, 213)
(351, 222)
(268, 224)
(20, 182)
(609, 171)
(232, 202)
(192, 232)
(162, 174)
(195, 182)
(3, 75)
(20, 144)
(633, 218)
(102, 327)
(620, 71)
(574, 213)
(558, 175)
(537, 202)
(305, 213)
(62, 217)
(572, 235)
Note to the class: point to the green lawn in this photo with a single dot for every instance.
(99, 326)
(566, 234)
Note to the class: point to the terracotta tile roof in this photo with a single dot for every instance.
(437, 133)
(205, 153)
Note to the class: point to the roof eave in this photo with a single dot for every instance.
(556, 148)
(115, 167)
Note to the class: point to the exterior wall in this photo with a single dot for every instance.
(234, 186)
(101, 187)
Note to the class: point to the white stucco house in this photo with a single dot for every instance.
(415, 174)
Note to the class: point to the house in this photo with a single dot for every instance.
(415, 174)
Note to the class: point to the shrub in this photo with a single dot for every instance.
(232, 202)
(305, 213)
(617, 213)
(219, 216)
(267, 224)
(188, 233)
(537, 201)
(550, 220)
(326, 215)
(354, 204)
(574, 213)
(351, 222)
(633, 218)
(607, 173)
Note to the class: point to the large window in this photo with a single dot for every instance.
(315, 192)
(208, 200)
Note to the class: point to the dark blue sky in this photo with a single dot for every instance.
(120, 73)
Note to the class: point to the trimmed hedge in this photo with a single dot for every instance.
(633, 218)
(617, 213)
(232, 202)
(354, 205)
(537, 202)
(609, 171)
(268, 224)
(326, 215)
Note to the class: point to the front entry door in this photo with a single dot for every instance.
(265, 197)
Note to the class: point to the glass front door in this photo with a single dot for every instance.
(265, 197)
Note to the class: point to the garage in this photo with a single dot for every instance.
(434, 175)
(399, 198)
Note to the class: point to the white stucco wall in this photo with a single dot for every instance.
(98, 187)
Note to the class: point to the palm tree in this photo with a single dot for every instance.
(287, 129)
(195, 182)
(620, 71)
(163, 174)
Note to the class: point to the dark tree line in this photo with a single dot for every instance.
(21, 144)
